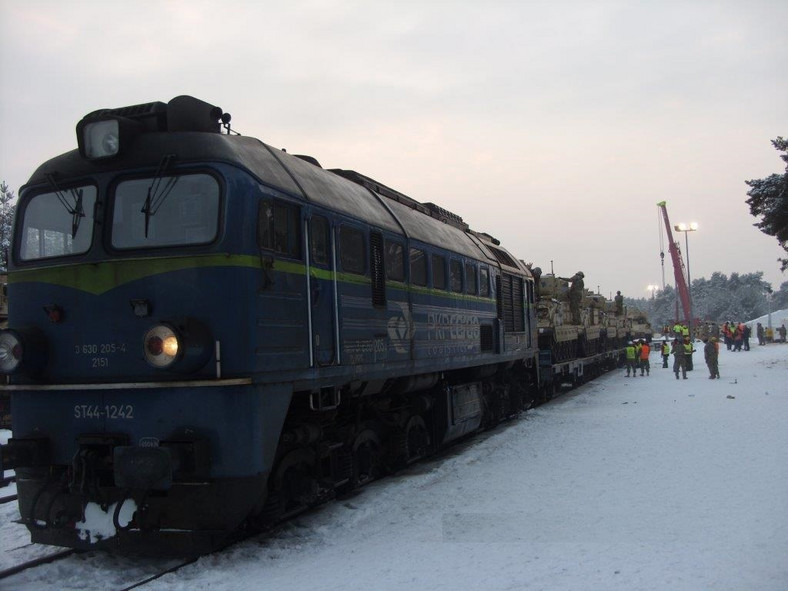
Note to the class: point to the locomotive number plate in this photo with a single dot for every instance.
(108, 411)
(99, 353)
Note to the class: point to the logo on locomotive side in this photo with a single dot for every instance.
(453, 327)
(400, 327)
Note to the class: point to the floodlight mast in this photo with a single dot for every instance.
(679, 271)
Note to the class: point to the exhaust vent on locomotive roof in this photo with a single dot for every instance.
(429, 209)
(186, 113)
(446, 216)
(309, 159)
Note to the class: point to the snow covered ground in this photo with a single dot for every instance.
(623, 484)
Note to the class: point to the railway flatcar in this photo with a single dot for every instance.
(207, 333)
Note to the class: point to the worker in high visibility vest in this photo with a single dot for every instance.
(688, 351)
(645, 351)
(665, 352)
(631, 353)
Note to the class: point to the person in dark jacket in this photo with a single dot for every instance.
(679, 359)
(712, 357)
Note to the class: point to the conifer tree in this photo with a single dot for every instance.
(7, 208)
(768, 198)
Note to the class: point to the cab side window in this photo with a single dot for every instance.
(484, 282)
(470, 279)
(279, 227)
(320, 245)
(418, 267)
(395, 261)
(438, 272)
(352, 250)
(455, 275)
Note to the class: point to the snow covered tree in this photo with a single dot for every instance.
(769, 200)
(740, 297)
(780, 298)
(7, 208)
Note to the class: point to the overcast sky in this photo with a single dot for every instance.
(555, 126)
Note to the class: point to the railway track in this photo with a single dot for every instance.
(18, 568)
(158, 575)
(64, 554)
(6, 480)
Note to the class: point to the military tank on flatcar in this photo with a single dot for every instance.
(557, 331)
(557, 334)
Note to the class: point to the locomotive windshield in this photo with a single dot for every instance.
(165, 211)
(58, 223)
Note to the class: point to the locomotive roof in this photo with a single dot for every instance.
(383, 208)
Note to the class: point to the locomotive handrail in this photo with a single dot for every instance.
(133, 385)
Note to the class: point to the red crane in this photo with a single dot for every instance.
(679, 271)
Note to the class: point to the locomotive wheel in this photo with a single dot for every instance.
(293, 487)
(366, 458)
(417, 439)
(552, 390)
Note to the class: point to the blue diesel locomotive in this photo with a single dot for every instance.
(207, 333)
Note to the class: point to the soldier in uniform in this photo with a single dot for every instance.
(575, 294)
(679, 360)
(712, 358)
(619, 301)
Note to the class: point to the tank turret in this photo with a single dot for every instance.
(641, 327)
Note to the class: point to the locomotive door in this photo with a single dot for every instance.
(322, 279)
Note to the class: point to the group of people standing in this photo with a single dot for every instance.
(682, 351)
(767, 335)
(681, 348)
(736, 335)
(637, 353)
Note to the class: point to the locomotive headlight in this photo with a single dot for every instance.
(101, 136)
(161, 344)
(22, 350)
(11, 352)
(183, 346)
(101, 139)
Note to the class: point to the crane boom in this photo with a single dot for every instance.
(679, 271)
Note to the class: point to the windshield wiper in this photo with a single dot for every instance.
(158, 192)
(77, 212)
